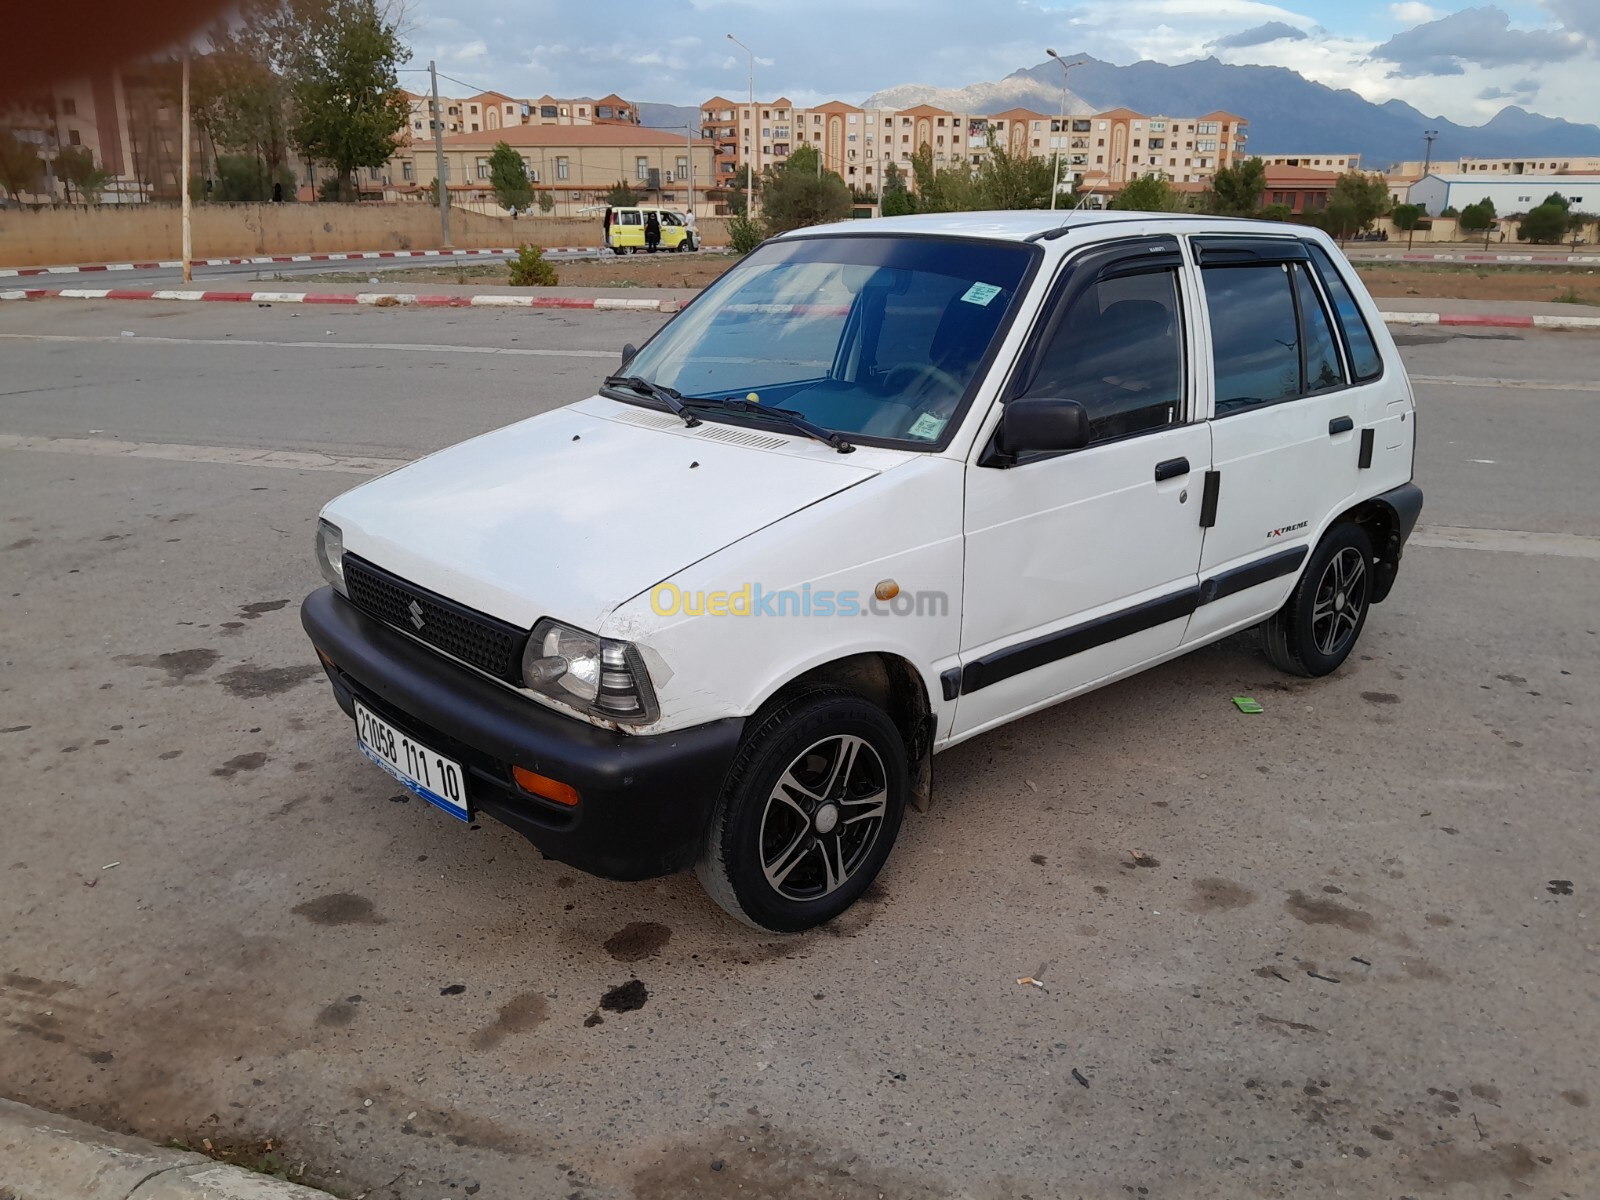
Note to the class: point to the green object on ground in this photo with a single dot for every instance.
(1246, 705)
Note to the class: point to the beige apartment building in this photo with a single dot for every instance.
(1106, 149)
(496, 110)
(576, 165)
(1314, 162)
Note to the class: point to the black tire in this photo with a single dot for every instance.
(1315, 630)
(618, 251)
(787, 812)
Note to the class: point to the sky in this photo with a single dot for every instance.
(1464, 62)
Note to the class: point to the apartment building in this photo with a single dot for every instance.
(858, 143)
(576, 165)
(496, 110)
(1313, 162)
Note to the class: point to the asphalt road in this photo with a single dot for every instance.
(1357, 957)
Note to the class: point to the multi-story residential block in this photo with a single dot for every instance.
(576, 165)
(1104, 149)
(496, 110)
(1313, 162)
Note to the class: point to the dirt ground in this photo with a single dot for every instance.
(1440, 281)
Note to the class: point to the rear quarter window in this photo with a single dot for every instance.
(1365, 362)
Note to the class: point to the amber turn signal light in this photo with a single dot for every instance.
(545, 787)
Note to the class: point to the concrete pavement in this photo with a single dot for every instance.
(1343, 947)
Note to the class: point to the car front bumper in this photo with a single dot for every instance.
(644, 800)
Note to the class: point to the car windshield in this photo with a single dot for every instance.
(879, 337)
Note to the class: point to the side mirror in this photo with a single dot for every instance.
(628, 351)
(1043, 425)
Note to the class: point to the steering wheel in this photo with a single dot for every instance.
(919, 371)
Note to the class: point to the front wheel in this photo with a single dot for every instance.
(1315, 630)
(809, 812)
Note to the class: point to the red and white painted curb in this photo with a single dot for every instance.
(1570, 260)
(375, 299)
(641, 304)
(266, 260)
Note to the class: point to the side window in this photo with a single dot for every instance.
(1118, 351)
(1255, 345)
(632, 218)
(1364, 360)
(1323, 370)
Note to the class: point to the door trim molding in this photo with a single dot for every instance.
(1003, 664)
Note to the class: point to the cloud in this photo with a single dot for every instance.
(1577, 16)
(1413, 13)
(1272, 31)
(1474, 36)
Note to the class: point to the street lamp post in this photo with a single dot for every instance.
(1428, 135)
(752, 127)
(1055, 183)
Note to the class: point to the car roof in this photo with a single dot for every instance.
(1028, 224)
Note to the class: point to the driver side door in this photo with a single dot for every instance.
(1084, 565)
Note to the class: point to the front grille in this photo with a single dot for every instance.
(491, 645)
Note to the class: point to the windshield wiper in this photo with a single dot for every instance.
(669, 398)
(789, 417)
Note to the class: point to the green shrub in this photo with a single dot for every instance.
(744, 235)
(529, 269)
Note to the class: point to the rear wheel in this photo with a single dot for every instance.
(809, 812)
(1315, 630)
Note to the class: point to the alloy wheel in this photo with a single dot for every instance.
(823, 817)
(1340, 600)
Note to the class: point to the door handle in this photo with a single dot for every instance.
(1171, 469)
(1340, 425)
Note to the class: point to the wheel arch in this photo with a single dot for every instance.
(894, 684)
(1388, 520)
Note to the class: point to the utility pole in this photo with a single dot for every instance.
(1066, 67)
(183, 125)
(755, 135)
(438, 158)
(1428, 136)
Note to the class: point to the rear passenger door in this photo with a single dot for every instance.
(1285, 427)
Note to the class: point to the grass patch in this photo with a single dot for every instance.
(1571, 296)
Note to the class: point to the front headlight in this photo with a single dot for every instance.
(330, 555)
(601, 677)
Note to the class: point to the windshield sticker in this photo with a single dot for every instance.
(981, 293)
(928, 426)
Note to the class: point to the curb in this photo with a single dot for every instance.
(46, 1157)
(1560, 260)
(167, 264)
(375, 299)
(629, 304)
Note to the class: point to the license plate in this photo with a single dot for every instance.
(440, 781)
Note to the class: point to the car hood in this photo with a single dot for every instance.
(573, 512)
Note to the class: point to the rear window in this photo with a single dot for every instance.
(1364, 360)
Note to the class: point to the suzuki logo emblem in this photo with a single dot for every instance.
(415, 610)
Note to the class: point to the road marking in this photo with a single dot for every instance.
(239, 456)
(425, 347)
(1529, 385)
(1507, 541)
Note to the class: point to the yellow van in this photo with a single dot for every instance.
(625, 230)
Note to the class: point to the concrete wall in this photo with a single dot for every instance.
(118, 233)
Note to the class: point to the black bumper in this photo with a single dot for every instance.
(644, 800)
(1403, 505)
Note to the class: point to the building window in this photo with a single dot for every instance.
(602, 112)
(69, 107)
(563, 169)
(474, 127)
(641, 168)
(547, 110)
(408, 172)
(73, 138)
(416, 124)
(483, 168)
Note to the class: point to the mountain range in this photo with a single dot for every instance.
(1288, 113)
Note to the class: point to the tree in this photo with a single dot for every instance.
(1557, 200)
(943, 189)
(1341, 217)
(76, 168)
(1361, 198)
(241, 103)
(20, 167)
(547, 202)
(348, 107)
(621, 195)
(241, 177)
(1149, 193)
(1408, 218)
(508, 175)
(1477, 218)
(1008, 181)
(1276, 212)
(1237, 191)
(735, 188)
(795, 195)
(1546, 225)
(897, 198)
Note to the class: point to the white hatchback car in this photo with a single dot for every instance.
(883, 486)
